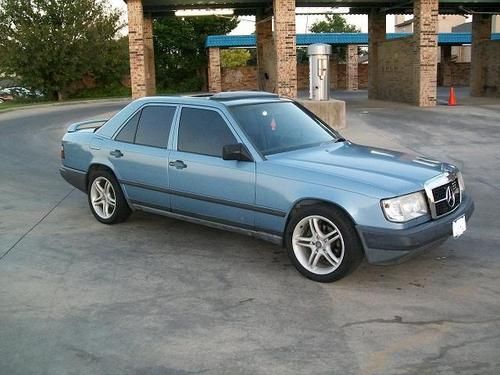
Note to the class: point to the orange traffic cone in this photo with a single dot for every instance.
(452, 100)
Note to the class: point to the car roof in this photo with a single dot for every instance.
(229, 98)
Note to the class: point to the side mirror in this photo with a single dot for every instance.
(236, 151)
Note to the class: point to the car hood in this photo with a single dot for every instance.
(375, 171)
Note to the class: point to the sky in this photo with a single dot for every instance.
(247, 24)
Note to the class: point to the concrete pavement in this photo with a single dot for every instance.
(159, 296)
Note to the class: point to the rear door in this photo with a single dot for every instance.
(139, 155)
(202, 183)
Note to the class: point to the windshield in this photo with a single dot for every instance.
(281, 126)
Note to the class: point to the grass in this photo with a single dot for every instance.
(13, 104)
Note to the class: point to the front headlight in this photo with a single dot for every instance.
(405, 207)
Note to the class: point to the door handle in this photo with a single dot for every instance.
(116, 153)
(178, 164)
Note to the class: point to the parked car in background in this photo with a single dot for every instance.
(18, 92)
(258, 164)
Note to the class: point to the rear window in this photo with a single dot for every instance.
(154, 126)
(127, 133)
(149, 127)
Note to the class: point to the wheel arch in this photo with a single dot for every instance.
(312, 202)
(99, 166)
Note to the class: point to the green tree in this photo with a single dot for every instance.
(335, 23)
(49, 44)
(234, 58)
(180, 56)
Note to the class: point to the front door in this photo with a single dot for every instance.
(202, 184)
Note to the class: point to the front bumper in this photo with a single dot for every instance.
(385, 246)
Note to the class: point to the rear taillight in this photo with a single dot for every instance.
(62, 151)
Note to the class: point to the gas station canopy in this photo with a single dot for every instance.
(159, 8)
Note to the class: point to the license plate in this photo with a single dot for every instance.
(459, 226)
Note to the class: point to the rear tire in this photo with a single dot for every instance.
(106, 199)
(322, 243)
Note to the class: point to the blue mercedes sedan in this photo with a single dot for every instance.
(262, 165)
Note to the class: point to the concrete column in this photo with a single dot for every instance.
(351, 76)
(136, 48)
(376, 35)
(444, 71)
(149, 56)
(481, 32)
(214, 72)
(286, 53)
(266, 57)
(425, 27)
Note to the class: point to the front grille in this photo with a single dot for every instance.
(446, 197)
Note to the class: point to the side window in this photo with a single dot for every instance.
(203, 131)
(154, 126)
(127, 133)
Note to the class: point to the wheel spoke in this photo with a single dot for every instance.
(98, 201)
(311, 227)
(333, 238)
(317, 229)
(99, 188)
(107, 187)
(330, 257)
(311, 257)
(316, 259)
(304, 241)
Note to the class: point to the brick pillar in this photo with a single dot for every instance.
(425, 34)
(444, 70)
(351, 76)
(481, 32)
(266, 57)
(376, 35)
(286, 53)
(214, 73)
(136, 48)
(149, 55)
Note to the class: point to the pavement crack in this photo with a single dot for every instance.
(35, 225)
(445, 349)
(399, 320)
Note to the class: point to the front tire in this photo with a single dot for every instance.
(106, 199)
(322, 243)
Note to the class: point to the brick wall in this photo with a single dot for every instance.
(341, 83)
(242, 78)
(453, 74)
(363, 76)
(245, 78)
(395, 70)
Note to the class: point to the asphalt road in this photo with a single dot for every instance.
(159, 296)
